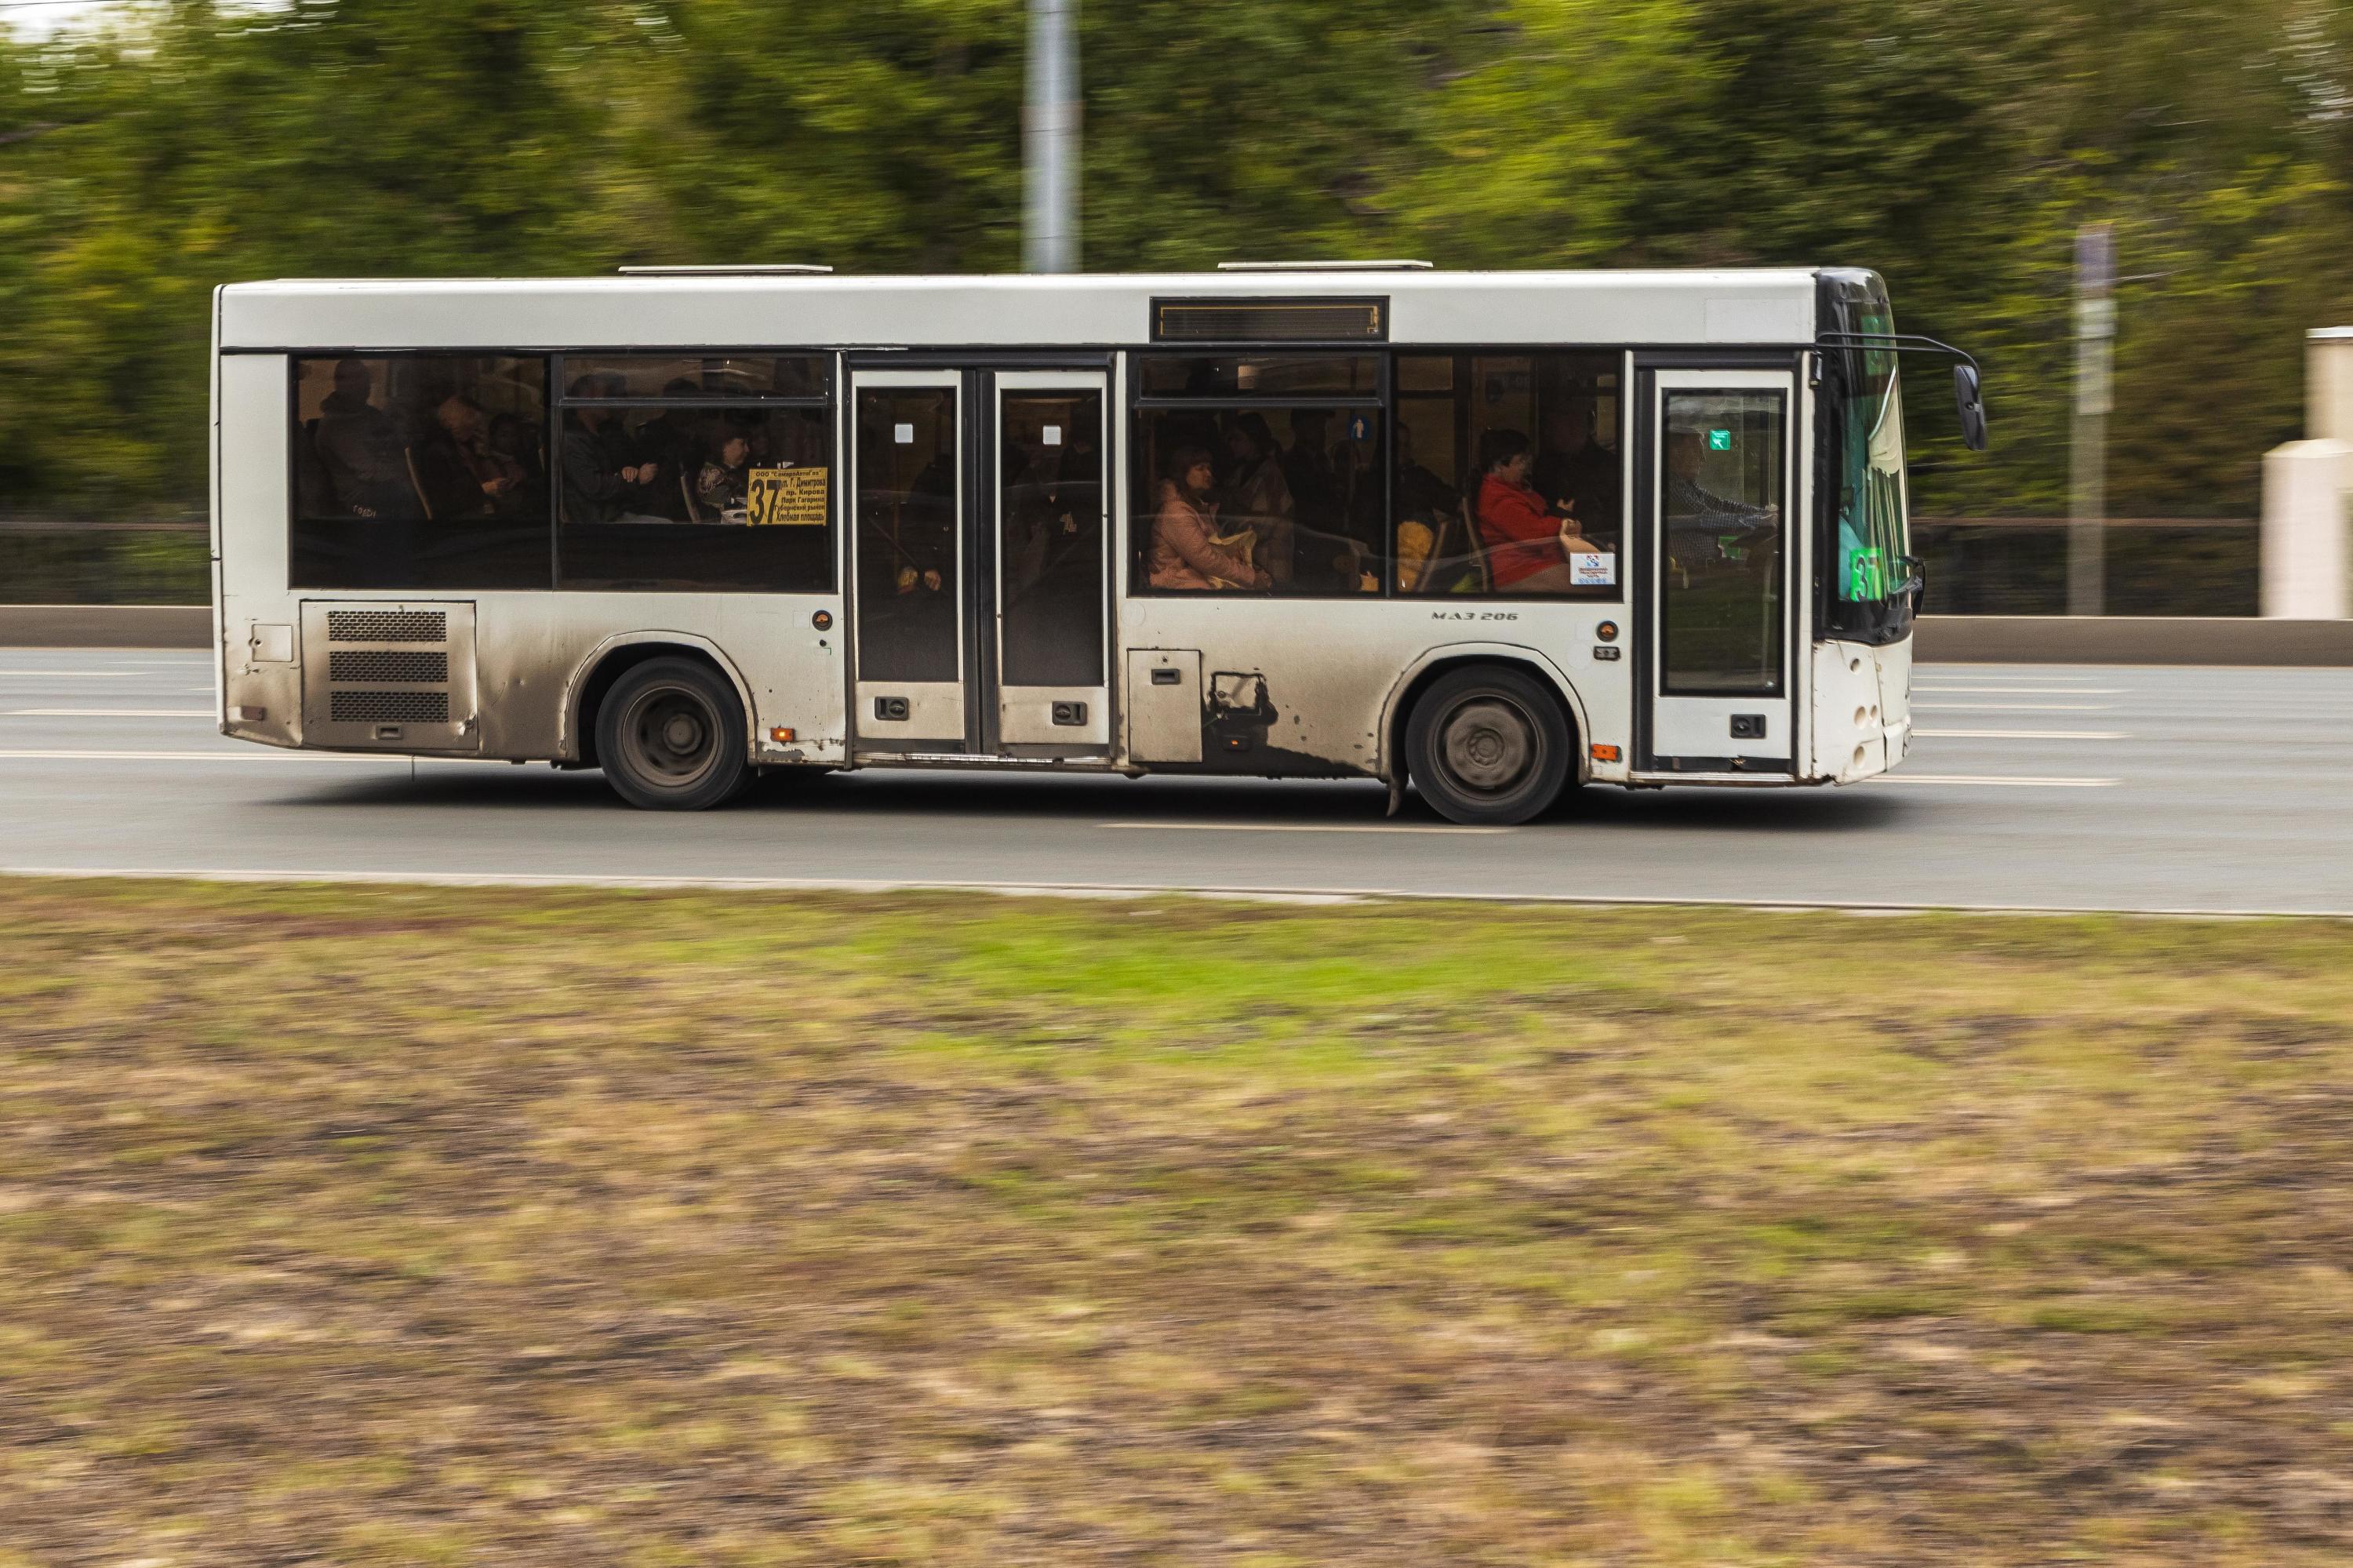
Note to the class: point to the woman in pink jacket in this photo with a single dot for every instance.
(1184, 552)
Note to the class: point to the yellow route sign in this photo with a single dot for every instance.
(787, 496)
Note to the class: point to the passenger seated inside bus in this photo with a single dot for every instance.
(1187, 551)
(1579, 474)
(724, 487)
(456, 471)
(1528, 543)
(676, 442)
(603, 479)
(1257, 497)
(521, 442)
(1309, 473)
(1427, 513)
(358, 445)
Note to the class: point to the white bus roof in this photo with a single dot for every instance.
(1089, 309)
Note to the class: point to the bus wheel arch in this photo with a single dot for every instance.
(1514, 675)
(593, 681)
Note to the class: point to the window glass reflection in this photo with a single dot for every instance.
(421, 470)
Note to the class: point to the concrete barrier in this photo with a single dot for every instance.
(106, 626)
(2130, 640)
(1950, 638)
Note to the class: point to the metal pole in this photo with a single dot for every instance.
(1049, 231)
(2095, 332)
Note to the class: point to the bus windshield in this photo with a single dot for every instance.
(1872, 541)
(1866, 540)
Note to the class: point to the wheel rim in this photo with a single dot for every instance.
(1489, 745)
(673, 737)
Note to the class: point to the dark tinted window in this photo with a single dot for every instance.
(1509, 475)
(1050, 538)
(695, 473)
(908, 497)
(699, 375)
(1223, 377)
(421, 471)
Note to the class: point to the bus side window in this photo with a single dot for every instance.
(710, 471)
(1295, 500)
(1560, 414)
(419, 471)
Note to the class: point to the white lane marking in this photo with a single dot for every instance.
(2028, 691)
(99, 674)
(2014, 707)
(259, 754)
(1287, 828)
(1971, 778)
(107, 713)
(2023, 734)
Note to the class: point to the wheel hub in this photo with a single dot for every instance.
(672, 736)
(1488, 745)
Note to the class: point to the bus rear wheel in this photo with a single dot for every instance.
(669, 736)
(1487, 746)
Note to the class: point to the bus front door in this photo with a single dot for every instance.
(1721, 581)
(980, 564)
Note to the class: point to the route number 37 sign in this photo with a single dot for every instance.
(786, 496)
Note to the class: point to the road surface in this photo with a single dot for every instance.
(2099, 788)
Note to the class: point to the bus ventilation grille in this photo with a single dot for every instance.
(398, 677)
(388, 707)
(384, 664)
(388, 626)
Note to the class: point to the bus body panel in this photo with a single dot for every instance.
(1861, 709)
(1283, 694)
(1695, 308)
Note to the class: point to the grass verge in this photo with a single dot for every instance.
(386, 1226)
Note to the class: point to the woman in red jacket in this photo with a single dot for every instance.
(1528, 543)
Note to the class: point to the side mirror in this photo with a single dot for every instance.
(1972, 406)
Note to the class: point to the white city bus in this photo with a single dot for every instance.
(1496, 534)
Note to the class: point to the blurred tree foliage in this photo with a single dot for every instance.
(1957, 146)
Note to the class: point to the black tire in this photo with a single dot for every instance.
(1488, 747)
(672, 736)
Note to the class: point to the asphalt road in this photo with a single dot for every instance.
(2137, 789)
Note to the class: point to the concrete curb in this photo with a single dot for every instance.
(2130, 640)
(106, 626)
(1942, 638)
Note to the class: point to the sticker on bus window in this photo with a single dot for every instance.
(904, 435)
(1593, 568)
(786, 497)
(1719, 440)
(1053, 436)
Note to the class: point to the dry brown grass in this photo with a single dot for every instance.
(419, 1227)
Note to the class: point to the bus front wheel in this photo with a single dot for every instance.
(1487, 746)
(670, 734)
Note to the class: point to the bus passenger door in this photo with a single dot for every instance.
(1721, 536)
(907, 560)
(1045, 657)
